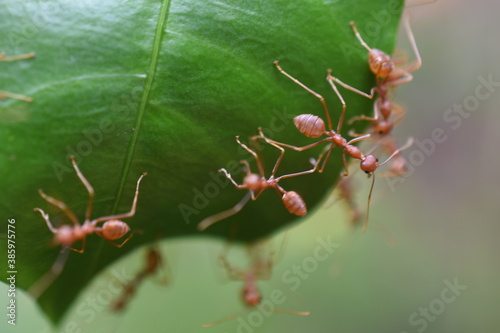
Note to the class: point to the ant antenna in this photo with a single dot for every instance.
(207, 222)
(406, 146)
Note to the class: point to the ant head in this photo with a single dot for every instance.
(380, 63)
(251, 295)
(369, 164)
(114, 229)
(253, 182)
(383, 128)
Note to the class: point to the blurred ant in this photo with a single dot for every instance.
(5, 94)
(313, 126)
(112, 229)
(261, 266)
(153, 263)
(258, 183)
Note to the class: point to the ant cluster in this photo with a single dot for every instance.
(5, 94)
(386, 114)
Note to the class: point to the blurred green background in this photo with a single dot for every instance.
(440, 223)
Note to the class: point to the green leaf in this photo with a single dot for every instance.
(164, 88)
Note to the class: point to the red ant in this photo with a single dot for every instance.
(257, 183)
(387, 75)
(261, 269)
(112, 229)
(5, 94)
(313, 126)
(153, 262)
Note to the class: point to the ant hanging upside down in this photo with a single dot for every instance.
(258, 183)
(314, 127)
(66, 235)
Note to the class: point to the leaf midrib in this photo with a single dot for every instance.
(162, 20)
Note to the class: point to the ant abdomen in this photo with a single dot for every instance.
(294, 203)
(114, 229)
(310, 125)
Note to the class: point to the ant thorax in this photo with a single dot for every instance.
(254, 182)
(66, 235)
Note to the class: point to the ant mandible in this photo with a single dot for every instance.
(257, 183)
(65, 235)
(5, 94)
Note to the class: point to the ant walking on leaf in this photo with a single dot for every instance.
(261, 265)
(256, 184)
(314, 127)
(5, 94)
(66, 235)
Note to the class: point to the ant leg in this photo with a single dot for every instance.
(116, 244)
(330, 78)
(5, 94)
(290, 175)
(207, 222)
(124, 215)
(228, 176)
(397, 151)
(376, 116)
(4, 57)
(294, 147)
(397, 77)
(254, 154)
(358, 138)
(61, 205)
(327, 158)
(315, 94)
(282, 153)
(351, 88)
(418, 62)
(87, 185)
(232, 273)
(358, 36)
(83, 246)
(46, 218)
(39, 287)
